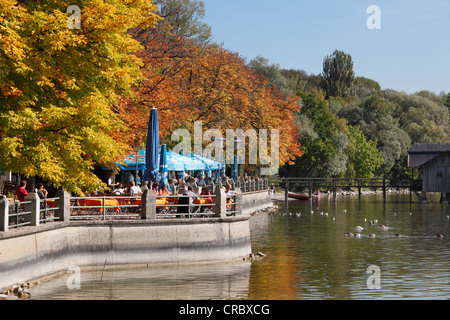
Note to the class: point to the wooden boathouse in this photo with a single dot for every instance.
(434, 161)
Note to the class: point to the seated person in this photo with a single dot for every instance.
(42, 193)
(134, 190)
(228, 190)
(155, 188)
(21, 192)
(118, 190)
(205, 192)
(164, 191)
(186, 199)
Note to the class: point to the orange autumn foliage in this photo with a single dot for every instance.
(187, 82)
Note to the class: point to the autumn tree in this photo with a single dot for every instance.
(57, 86)
(188, 81)
(185, 18)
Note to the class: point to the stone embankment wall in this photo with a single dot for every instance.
(35, 252)
(32, 254)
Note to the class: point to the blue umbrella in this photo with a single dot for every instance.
(209, 172)
(235, 168)
(163, 168)
(152, 149)
(129, 162)
(208, 163)
(224, 165)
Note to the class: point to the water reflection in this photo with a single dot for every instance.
(193, 281)
(308, 257)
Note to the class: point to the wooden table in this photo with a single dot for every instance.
(109, 203)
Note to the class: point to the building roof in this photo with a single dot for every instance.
(430, 147)
(421, 153)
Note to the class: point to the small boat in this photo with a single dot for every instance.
(299, 196)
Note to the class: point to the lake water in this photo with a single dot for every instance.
(308, 256)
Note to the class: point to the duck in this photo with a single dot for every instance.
(349, 234)
(440, 235)
(359, 228)
(398, 235)
(358, 235)
(371, 235)
(383, 227)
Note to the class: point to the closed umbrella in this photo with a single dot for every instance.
(235, 168)
(152, 149)
(224, 165)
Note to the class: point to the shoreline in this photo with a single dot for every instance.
(280, 196)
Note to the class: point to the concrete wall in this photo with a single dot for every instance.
(253, 201)
(47, 249)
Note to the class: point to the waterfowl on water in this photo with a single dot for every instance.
(372, 235)
(383, 227)
(440, 235)
(349, 234)
(357, 235)
(398, 235)
(359, 228)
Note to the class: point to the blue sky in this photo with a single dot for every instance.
(411, 51)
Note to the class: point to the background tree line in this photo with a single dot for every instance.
(339, 104)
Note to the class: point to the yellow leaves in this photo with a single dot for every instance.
(57, 86)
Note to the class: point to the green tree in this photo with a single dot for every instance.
(338, 74)
(316, 137)
(185, 18)
(272, 72)
(447, 102)
(364, 157)
(423, 115)
(377, 119)
(57, 86)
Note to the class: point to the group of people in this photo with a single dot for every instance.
(21, 192)
(190, 187)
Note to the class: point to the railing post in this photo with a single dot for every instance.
(286, 190)
(104, 207)
(359, 189)
(148, 210)
(238, 202)
(310, 186)
(4, 213)
(63, 205)
(334, 189)
(220, 203)
(34, 207)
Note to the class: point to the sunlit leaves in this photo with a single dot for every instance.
(191, 82)
(57, 86)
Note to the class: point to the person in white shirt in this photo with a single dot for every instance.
(119, 190)
(134, 190)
